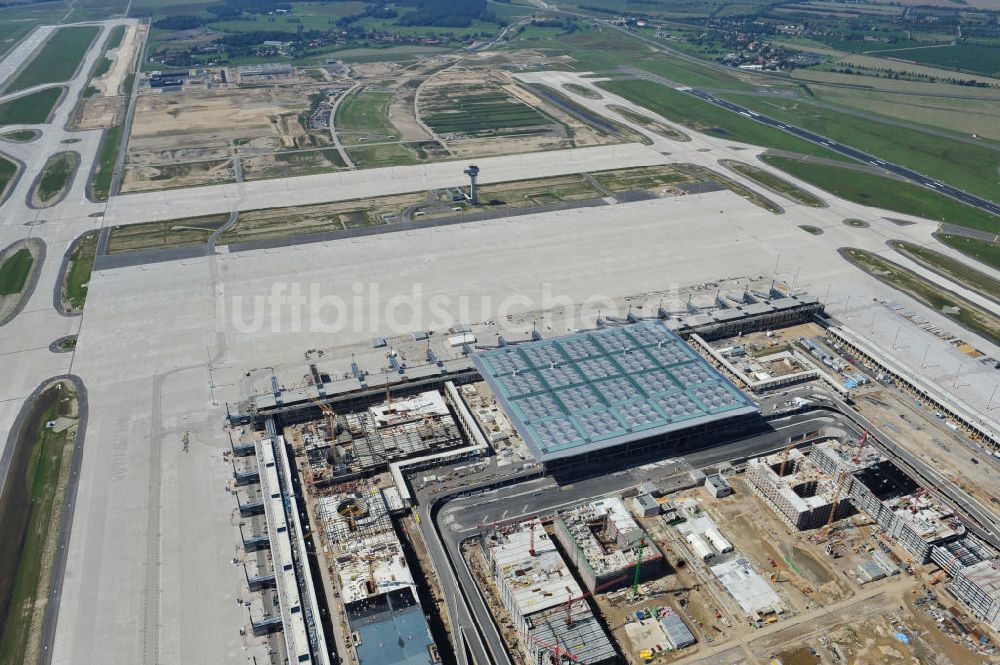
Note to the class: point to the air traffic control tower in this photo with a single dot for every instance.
(473, 172)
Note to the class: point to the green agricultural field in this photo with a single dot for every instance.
(981, 250)
(958, 271)
(774, 183)
(887, 193)
(488, 112)
(962, 114)
(961, 311)
(609, 49)
(29, 515)
(365, 115)
(57, 60)
(81, 264)
(701, 116)
(55, 176)
(8, 170)
(100, 184)
(973, 58)
(14, 271)
(33, 109)
(387, 154)
(967, 166)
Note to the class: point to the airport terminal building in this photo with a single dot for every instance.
(599, 395)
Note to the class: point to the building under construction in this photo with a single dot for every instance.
(978, 586)
(346, 445)
(802, 495)
(605, 543)
(545, 602)
(383, 620)
(898, 505)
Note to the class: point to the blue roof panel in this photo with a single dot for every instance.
(598, 388)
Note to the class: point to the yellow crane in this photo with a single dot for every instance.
(331, 424)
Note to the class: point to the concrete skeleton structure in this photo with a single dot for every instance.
(896, 502)
(978, 586)
(382, 610)
(535, 586)
(797, 490)
(602, 540)
(396, 430)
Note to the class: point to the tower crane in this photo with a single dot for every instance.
(555, 650)
(331, 423)
(836, 502)
(861, 444)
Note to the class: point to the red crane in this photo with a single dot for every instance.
(556, 650)
(573, 599)
(861, 444)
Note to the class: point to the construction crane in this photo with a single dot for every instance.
(597, 589)
(531, 545)
(784, 458)
(836, 502)
(331, 424)
(861, 444)
(556, 650)
(638, 567)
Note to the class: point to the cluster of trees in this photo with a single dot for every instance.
(882, 72)
(371, 11)
(446, 13)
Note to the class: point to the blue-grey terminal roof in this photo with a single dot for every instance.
(396, 637)
(595, 389)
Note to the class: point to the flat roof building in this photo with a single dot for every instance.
(535, 585)
(602, 540)
(978, 586)
(599, 393)
(895, 501)
(383, 615)
(796, 489)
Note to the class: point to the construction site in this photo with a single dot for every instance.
(380, 618)
(606, 544)
(539, 600)
(675, 560)
(341, 446)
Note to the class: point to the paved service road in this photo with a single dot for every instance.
(909, 174)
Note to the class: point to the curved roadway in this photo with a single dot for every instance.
(456, 514)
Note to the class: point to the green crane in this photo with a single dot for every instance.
(638, 567)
